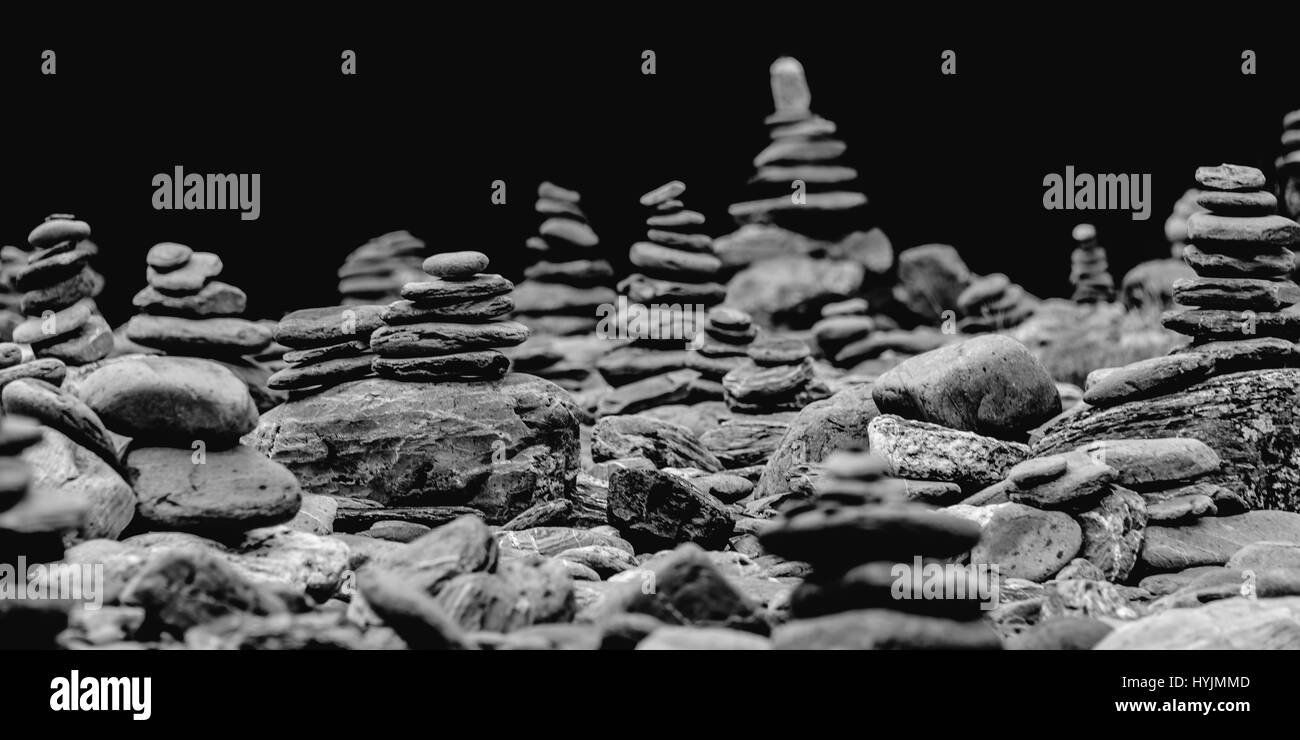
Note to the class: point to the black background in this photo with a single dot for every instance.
(440, 111)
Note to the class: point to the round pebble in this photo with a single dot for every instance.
(168, 255)
(58, 228)
(456, 265)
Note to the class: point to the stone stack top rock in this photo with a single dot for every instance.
(858, 533)
(994, 303)
(448, 327)
(562, 291)
(59, 289)
(375, 272)
(186, 311)
(329, 346)
(799, 181)
(1239, 250)
(1089, 270)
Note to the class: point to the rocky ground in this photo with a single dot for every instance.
(852, 447)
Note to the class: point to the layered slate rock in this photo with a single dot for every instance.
(1239, 250)
(327, 346)
(447, 327)
(862, 538)
(1089, 269)
(799, 181)
(59, 287)
(563, 289)
(375, 272)
(497, 446)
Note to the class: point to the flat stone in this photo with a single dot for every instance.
(440, 338)
(901, 342)
(573, 272)
(643, 289)
(657, 390)
(833, 540)
(664, 193)
(456, 265)
(1146, 378)
(774, 352)
(1238, 203)
(442, 292)
(51, 269)
(1264, 262)
(188, 278)
(406, 312)
(217, 337)
(1247, 231)
(313, 327)
(1214, 540)
(57, 229)
(990, 385)
(690, 242)
(800, 151)
(568, 230)
(477, 365)
(214, 299)
(93, 341)
(555, 192)
(1181, 509)
(353, 348)
(1248, 354)
(62, 294)
(662, 261)
(322, 373)
(229, 491)
(1037, 470)
(166, 256)
(1146, 463)
(1230, 177)
(1228, 325)
(675, 220)
(884, 629)
(556, 207)
(1236, 293)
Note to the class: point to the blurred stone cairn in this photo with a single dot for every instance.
(661, 308)
(375, 272)
(1150, 284)
(1288, 166)
(863, 538)
(12, 261)
(807, 216)
(994, 303)
(59, 288)
(561, 296)
(443, 430)
(1089, 270)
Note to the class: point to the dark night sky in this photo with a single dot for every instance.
(415, 140)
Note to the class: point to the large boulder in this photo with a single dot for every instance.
(1213, 540)
(1251, 419)
(990, 385)
(498, 446)
(790, 291)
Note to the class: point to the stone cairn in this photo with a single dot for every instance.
(1288, 166)
(721, 345)
(329, 346)
(187, 312)
(447, 327)
(843, 323)
(798, 183)
(1088, 268)
(375, 272)
(662, 307)
(59, 290)
(994, 303)
(855, 532)
(1242, 290)
(561, 292)
(777, 376)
